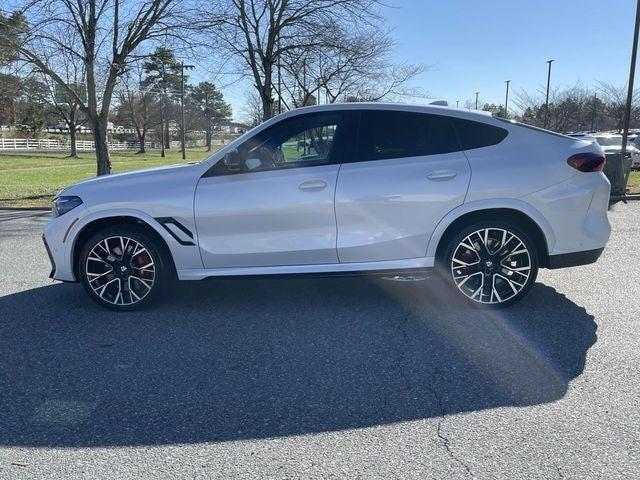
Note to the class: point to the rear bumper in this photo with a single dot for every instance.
(574, 259)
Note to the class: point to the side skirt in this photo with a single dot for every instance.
(405, 267)
(409, 274)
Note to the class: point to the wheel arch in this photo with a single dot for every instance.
(94, 225)
(539, 230)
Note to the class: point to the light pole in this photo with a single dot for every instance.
(279, 70)
(477, 93)
(182, 132)
(163, 125)
(506, 100)
(457, 103)
(627, 112)
(546, 102)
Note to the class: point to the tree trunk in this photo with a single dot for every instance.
(72, 140)
(208, 135)
(167, 140)
(267, 107)
(99, 127)
(141, 138)
(266, 95)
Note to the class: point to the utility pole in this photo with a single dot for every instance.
(477, 93)
(162, 93)
(627, 112)
(207, 119)
(506, 100)
(279, 65)
(457, 103)
(182, 132)
(546, 102)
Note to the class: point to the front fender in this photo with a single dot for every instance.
(184, 255)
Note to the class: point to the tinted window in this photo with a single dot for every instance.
(476, 134)
(389, 134)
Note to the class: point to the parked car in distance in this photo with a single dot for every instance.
(343, 189)
(635, 159)
(612, 143)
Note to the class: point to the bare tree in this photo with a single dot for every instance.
(347, 65)
(68, 108)
(259, 33)
(252, 109)
(615, 101)
(134, 105)
(577, 108)
(108, 32)
(65, 106)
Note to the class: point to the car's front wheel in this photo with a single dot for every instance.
(491, 263)
(123, 268)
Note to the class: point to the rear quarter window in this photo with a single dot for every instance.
(477, 135)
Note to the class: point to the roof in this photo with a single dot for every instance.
(434, 109)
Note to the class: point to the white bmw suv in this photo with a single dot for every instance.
(343, 189)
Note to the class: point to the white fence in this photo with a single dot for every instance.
(47, 144)
(84, 145)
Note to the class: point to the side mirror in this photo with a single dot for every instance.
(232, 161)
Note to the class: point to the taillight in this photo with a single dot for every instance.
(587, 162)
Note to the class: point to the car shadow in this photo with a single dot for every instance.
(228, 360)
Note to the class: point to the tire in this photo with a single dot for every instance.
(495, 275)
(124, 268)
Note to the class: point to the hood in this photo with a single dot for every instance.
(126, 178)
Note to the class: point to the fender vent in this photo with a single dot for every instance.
(178, 231)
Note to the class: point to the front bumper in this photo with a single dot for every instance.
(58, 237)
(51, 260)
(574, 259)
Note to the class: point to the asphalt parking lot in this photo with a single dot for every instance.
(321, 378)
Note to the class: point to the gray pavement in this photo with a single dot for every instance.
(321, 378)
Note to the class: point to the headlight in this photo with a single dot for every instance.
(62, 205)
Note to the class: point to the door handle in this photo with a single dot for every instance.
(441, 175)
(312, 185)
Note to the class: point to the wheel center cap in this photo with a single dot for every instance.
(488, 263)
(123, 269)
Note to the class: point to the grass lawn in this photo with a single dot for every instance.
(634, 182)
(31, 179)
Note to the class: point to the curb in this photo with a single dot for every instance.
(624, 198)
(25, 209)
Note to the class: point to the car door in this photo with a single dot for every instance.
(409, 171)
(279, 208)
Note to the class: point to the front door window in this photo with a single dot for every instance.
(303, 141)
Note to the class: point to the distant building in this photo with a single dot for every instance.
(232, 127)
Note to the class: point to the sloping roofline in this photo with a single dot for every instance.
(434, 109)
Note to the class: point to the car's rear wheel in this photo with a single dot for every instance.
(124, 268)
(491, 263)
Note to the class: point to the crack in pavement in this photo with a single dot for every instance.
(442, 417)
(431, 386)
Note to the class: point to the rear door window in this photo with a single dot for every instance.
(386, 134)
